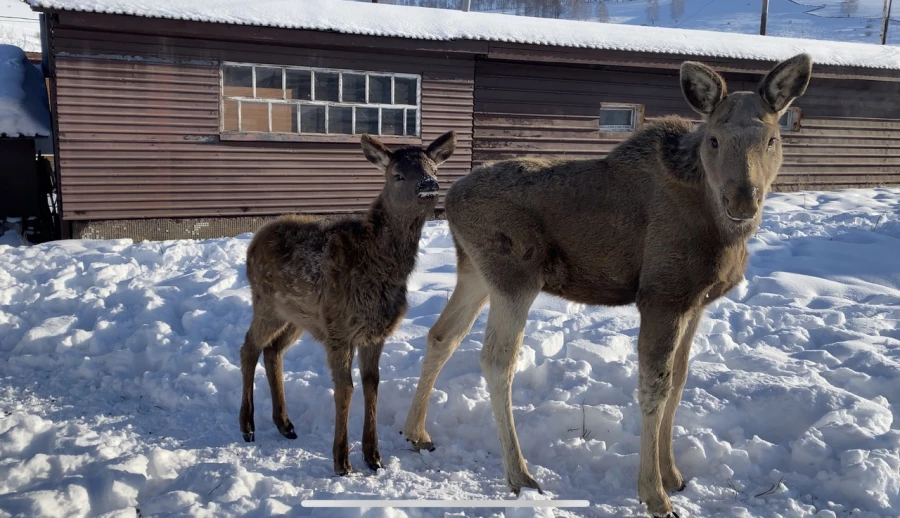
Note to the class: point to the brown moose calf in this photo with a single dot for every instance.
(344, 282)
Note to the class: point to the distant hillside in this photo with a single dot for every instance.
(839, 20)
(19, 26)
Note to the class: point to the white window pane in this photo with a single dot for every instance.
(312, 119)
(237, 81)
(268, 83)
(340, 120)
(379, 89)
(254, 116)
(617, 119)
(326, 86)
(354, 86)
(367, 120)
(392, 121)
(405, 90)
(284, 118)
(411, 123)
(298, 84)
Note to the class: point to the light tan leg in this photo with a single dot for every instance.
(455, 321)
(503, 338)
(660, 333)
(263, 329)
(671, 477)
(272, 358)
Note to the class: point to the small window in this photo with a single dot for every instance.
(313, 101)
(790, 121)
(619, 117)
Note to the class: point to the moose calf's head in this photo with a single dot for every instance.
(411, 184)
(741, 149)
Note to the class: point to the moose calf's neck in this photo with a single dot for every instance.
(394, 238)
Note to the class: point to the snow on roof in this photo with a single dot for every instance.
(447, 25)
(24, 108)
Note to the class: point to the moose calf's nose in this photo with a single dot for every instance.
(428, 185)
(740, 206)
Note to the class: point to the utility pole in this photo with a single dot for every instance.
(764, 18)
(885, 21)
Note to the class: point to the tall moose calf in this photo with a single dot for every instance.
(345, 283)
(662, 221)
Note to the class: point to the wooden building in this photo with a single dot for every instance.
(207, 120)
(24, 126)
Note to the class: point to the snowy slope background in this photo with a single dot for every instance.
(120, 386)
(838, 20)
(19, 26)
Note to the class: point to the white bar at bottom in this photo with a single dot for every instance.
(445, 503)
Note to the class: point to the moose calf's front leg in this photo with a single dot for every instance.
(369, 357)
(671, 477)
(339, 359)
(660, 334)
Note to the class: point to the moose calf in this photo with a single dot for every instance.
(662, 221)
(344, 282)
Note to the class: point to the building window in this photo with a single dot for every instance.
(790, 121)
(317, 101)
(620, 117)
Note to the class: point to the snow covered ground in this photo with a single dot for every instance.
(120, 386)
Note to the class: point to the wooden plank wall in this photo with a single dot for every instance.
(139, 123)
(849, 136)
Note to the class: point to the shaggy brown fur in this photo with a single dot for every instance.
(344, 282)
(662, 221)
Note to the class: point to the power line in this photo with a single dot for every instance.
(18, 18)
(695, 12)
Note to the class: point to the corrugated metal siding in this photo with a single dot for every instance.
(139, 118)
(849, 136)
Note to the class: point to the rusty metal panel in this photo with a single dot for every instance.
(139, 129)
(528, 109)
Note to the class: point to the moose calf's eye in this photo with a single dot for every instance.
(714, 142)
(398, 177)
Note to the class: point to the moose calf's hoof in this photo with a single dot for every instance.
(342, 468)
(422, 445)
(288, 431)
(248, 437)
(523, 480)
(673, 514)
(672, 481)
(374, 465)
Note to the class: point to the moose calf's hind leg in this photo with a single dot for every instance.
(369, 357)
(249, 357)
(503, 338)
(272, 357)
(444, 337)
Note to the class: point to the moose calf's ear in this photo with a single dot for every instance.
(702, 87)
(786, 82)
(375, 151)
(442, 147)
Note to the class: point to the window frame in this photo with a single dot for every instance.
(793, 121)
(637, 117)
(273, 136)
